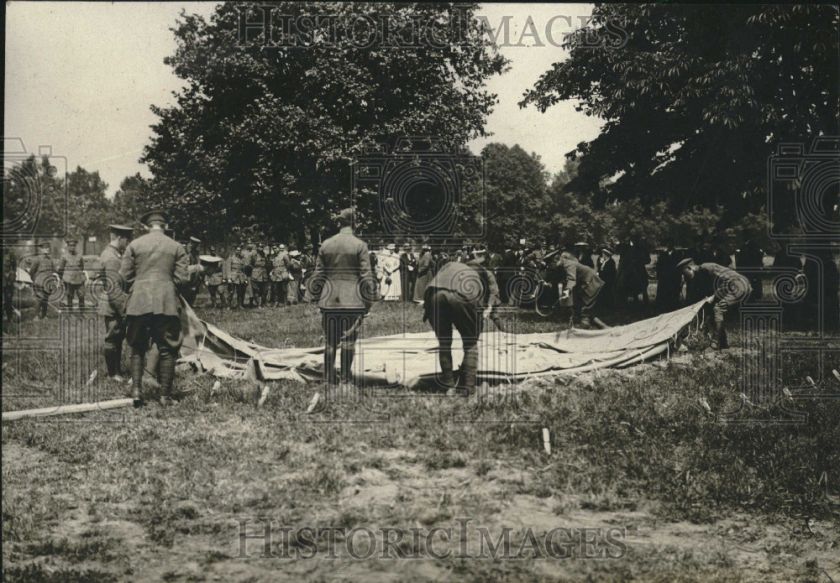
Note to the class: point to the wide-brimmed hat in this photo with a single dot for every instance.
(685, 262)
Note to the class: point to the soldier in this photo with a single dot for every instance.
(295, 275)
(280, 277)
(43, 274)
(457, 296)
(236, 278)
(71, 270)
(728, 286)
(112, 304)
(345, 288)
(153, 266)
(190, 290)
(259, 275)
(214, 278)
(582, 284)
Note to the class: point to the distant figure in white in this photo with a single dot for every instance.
(389, 266)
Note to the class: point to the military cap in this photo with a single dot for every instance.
(153, 215)
(209, 259)
(685, 262)
(345, 216)
(581, 244)
(195, 240)
(121, 230)
(606, 250)
(294, 253)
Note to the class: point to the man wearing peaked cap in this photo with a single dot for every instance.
(71, 270)
(111, 304)
(153, 267)
(190, 290)
(729, 287)
(213, 278)
(344, 287)
(42, 271)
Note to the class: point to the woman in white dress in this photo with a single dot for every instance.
(389, 263)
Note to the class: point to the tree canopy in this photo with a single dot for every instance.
(696, 100)
(263, 136)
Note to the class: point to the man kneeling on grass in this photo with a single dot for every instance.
(729, 287)
(457, 296)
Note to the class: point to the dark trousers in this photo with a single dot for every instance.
(112, 344)
(236, 295)
(213, 290)
(280, 292)
(445, 309)
(260, 290)
(77, 290)
(166, 333)
(42, 296)
(341, 327)
(584, 308)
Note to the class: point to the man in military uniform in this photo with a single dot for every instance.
(582, 283)
(214, 278)
(280, 277)
(728, 286)
(190, 289)
(71, 270)
(153, 267)
(259, 275)
(458, 295)
(345, 288)
(112, 303)
(236, 278)
(43, 273)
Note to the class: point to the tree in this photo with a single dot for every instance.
(516, 202)
(89, 209)
(697, 99)
(34, 199)
(262, 136)
(131, 200)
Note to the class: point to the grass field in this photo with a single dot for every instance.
(643, 481)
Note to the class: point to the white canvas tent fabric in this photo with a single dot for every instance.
(412, 360)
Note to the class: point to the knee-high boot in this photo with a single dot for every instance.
(136, 373)
(167, 372)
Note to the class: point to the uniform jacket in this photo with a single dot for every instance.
(112, 301)
(470, 280)
(41, 268)
(280, 267)
(582, 277)
(259, 271)
(343, 278)
(233, 270)
(153, 266)
(72, 269)
(727, 283)
(215, 277)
